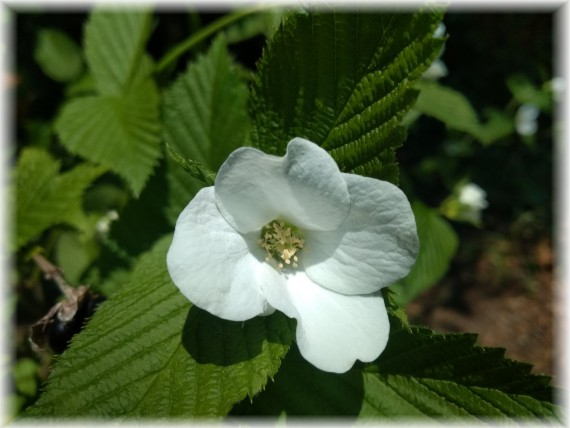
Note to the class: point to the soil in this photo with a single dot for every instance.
(506, 296)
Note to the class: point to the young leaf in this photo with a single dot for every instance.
(344, 81)
(114, 47)
(44, 197)
(58, 55)
(119, 132)
(438, 243)
(148, 353)
(205, 110)
(420, 374)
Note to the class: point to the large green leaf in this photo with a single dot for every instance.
(120, 132)
(120, 127)
(44, 197)
(345, 82)
(420, 374)
(148, 352)
(114, 47)
(205, 119)
(438, 243)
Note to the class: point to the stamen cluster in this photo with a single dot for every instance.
(281, 243)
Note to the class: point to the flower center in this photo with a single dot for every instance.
(281, 242)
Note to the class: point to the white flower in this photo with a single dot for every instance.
(525, 119)
(104, 223)
(473, 196)
(295, 234)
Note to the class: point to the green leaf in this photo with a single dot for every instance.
(195, 169)
(58, 55)
(205, 110)
(121, 133)
(114, 48)
(205, 119)
(447, 105)
(148, 353)
(438, 243)
(343, 81)
(44, 197)
(420, 374)
(265, 23)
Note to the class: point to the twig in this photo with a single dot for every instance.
(55, 274)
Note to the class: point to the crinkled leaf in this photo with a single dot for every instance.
(44, 197)
(58, 55)
(114, 47)
(344, 81)
(420, 374)
(148, 352)
(119, 132)
(438, 243)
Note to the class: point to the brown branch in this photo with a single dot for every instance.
(55, 274)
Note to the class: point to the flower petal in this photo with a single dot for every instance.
(215, 267)
(376, 244)
(333, 330)
(304, 188)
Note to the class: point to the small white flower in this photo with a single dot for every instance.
(103, 225)
(436, 70)
(473, 196)
(525, 119)
(295, 234)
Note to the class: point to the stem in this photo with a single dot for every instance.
(181, 48)
(54, 273)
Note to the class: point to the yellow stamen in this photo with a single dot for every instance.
(281, 242)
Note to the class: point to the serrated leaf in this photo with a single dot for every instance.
(419, 383)
(114, 48)
(44, 197)
(438, 243)
(195, 169)
(205, 110)
(205, 119)
(344, 81)
(456, 357)
(148, 353)
(121, 133)
(265, 23)
(58, 55)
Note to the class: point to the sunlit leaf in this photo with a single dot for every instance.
(148, 353)
(119, 132)
(45, 197)
(114, 46)
(344, 81)
(420, 374)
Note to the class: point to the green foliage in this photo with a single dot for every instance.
(438, 243)
(118, 128)
(205, 113)
(343, 81)
(44, 197)
(265, 23)
(453, 378)
(58, 55)
(114, 47)
(148, 352)
(447, 105)
(452, 108)
(205, 119)
(121, 133)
